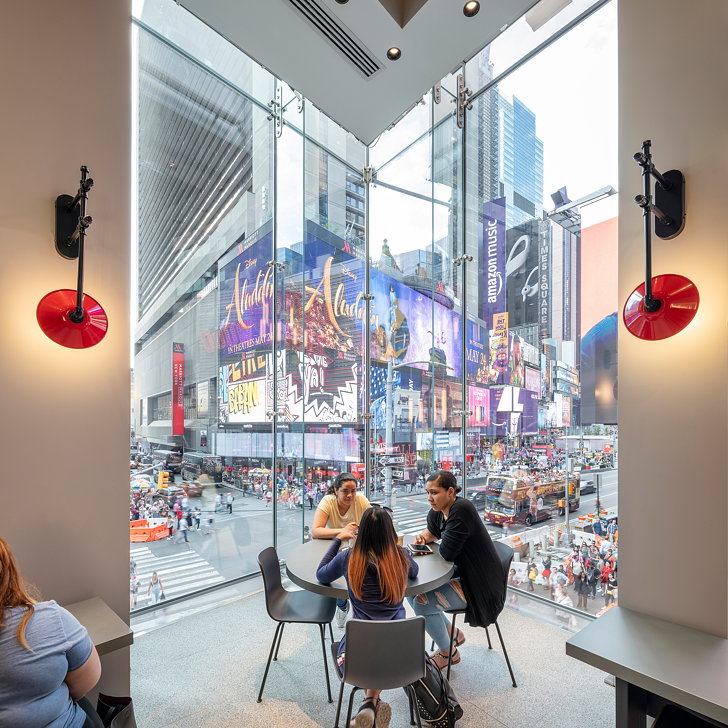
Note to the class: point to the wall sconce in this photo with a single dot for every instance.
(664, 305)
(72, 318)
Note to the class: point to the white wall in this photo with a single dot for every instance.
(673, 394)
(65, 421)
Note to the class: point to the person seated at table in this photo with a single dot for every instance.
(338, 516)
(479, 583)
(376, 572)
(48, 661)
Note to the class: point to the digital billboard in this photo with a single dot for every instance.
(523, 271)
(479, 406)
(493, 259)
(533, 380)
(599, 323)
(513, 411)
(478, 351)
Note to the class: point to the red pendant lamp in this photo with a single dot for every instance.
(72, 318)
(663, 305)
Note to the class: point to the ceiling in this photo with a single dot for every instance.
(433, 35)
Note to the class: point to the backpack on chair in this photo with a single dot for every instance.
(436, 701)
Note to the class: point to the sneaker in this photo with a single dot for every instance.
(340, 618)
(384, 715)
(365, 717)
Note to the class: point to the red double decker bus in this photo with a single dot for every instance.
(523, 499)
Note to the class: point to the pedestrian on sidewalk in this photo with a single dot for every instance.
(229, 501)
(198, 517)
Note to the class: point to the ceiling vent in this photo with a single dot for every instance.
(338, 35)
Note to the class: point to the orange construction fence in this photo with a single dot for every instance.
(140, 531)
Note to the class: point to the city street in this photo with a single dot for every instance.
(231, 548)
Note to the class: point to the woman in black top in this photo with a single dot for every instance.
(479, 584)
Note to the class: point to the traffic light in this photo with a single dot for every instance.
(162, 480)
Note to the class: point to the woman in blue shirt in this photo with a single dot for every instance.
(376, 572)
(48, 661)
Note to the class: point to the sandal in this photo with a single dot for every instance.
(365, 716)
(440, 658)
(459, 636)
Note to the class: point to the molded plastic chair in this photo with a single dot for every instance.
(287, 607)
(505, 554)
(382, 656)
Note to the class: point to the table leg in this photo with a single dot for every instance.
(631, 704)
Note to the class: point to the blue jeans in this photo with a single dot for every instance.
(342, 604)
(431, 606)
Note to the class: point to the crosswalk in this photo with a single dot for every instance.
(409, 521)
(180, 573)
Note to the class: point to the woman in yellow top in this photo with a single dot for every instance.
(338, 516)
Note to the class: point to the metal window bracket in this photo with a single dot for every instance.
(464, 102)
(367, 296)
(437, 93)
(462, 259)
(462, 413)
(367, 416)
(276, 107)
(368, 174)
(277, 265)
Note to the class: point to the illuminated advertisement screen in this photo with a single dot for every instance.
(513, 411)
(478, 349)
(479, 406)
(533, 380)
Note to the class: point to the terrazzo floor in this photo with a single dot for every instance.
(204, 670)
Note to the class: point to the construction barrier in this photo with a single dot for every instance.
(142, 530)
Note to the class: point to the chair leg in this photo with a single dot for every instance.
(270, 656)
(487, 634)
(411, 707)
(505, 654)
(280, 639)
(411, 692)
(331, 633)
(322, 631)
(452, 640)
(351, 703)
(432, 646)
(338, 705)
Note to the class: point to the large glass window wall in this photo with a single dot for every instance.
(442, 299)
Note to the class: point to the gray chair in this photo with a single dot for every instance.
(289, 607)
(382, 656)
(505, 554)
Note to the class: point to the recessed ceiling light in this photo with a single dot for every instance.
(342, 2)
(394, 54)
(471, 8)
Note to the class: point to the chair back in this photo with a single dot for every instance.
(505, 554)
(384, 655)
(275, 594)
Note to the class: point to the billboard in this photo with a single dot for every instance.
(599, 323)
(513, 411)
(523, 272)
(479, 406)
(493, 259)
(178, 388)
(533, 380)
(245, 291)
(478, 350)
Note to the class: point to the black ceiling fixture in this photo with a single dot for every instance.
(394, 54)
(471, 8)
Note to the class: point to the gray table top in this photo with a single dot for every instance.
(680, 664)
(303, 560)
(106, 629)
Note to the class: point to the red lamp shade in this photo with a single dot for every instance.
(679, 300)
(53, 314)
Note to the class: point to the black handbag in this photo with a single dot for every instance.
(116, 712)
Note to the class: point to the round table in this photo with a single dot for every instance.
(303, 560)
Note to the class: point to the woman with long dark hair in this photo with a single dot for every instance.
(338, 516)
(48, 661)
(480, 585)
(376, 572)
